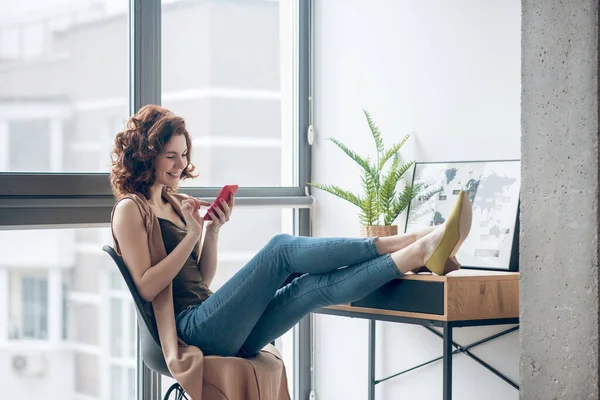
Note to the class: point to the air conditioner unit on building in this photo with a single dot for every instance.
(29, 365)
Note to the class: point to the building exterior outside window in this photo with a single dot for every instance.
(28, 301)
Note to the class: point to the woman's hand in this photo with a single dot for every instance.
(191, 213)
(220, 217)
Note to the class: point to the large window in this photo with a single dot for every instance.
(228, 69)
(70, 321)
(63, 83)
(71, 72)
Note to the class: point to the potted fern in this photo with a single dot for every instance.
(382, 200)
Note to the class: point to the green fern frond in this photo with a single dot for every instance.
(388, 187)
(367, 217)
(401, 202)
(341, 193)
(388, 154)
(369, 203)
(364, 163)
(375, 132)
(404, 168)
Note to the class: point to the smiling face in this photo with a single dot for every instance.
(171, 161)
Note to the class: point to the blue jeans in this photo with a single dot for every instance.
(252, 309)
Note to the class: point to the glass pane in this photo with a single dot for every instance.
(63, 325)
(27, 300)
(130, 339)
(79, 317)
(116, 384)
(230, 70)
(116, 339)
(132, 383)
(63, 83)
(65, 305)
(86, 376)
(29, 142)
(116, 280)
(85, 320)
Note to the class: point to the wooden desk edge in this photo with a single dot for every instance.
(470, 278)
(392, 313)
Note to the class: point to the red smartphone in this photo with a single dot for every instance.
(226, 194)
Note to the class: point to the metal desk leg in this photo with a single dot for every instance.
(371, 374)
(447, 372)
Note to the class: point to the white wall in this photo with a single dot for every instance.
(450, 73)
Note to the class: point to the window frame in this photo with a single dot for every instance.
(65, 200)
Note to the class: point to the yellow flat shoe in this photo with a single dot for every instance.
(458, 225)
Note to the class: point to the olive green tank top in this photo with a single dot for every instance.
(188, 286)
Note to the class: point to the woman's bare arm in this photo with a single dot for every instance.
(208, 259)
(130, 232)
(207, 264)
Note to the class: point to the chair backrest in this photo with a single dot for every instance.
(152, 354)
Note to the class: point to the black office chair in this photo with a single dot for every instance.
(152, 354)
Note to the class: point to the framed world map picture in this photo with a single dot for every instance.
(493, 188)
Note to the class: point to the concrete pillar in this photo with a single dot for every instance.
(559, 246)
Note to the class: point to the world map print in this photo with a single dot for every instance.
(493, 188)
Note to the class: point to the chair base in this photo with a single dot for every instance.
(177, 390)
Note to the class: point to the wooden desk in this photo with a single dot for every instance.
(461, 298)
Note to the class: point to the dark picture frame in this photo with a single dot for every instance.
(497, 214)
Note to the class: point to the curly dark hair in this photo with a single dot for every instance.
(135, 149)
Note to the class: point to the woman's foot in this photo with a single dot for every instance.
(435, 250)
(414, 256)
(390, 244)
(422, 232)
(456, 229)
(418, 234)
(431, 241)
(440, 247)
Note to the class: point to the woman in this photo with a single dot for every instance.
(152, 156)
